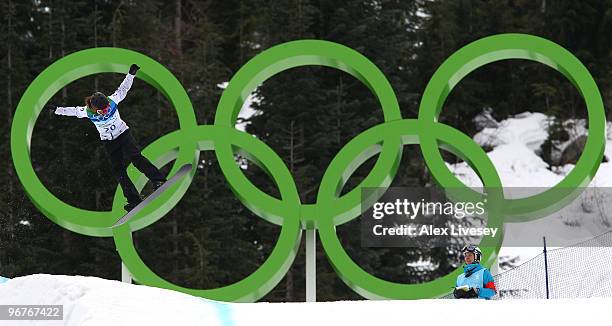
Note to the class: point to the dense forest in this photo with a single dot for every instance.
(305, 114)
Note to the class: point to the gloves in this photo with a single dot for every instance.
(471, 293)
(133, 69)
(50, 107)
(458, 293)
(462, 293)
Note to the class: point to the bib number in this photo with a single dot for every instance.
(109, 130)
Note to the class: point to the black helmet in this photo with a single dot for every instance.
(98, 101)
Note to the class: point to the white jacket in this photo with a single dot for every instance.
(110, 125)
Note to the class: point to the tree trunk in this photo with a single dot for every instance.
(115, 23)
(179, 53)
(339, 112)
(289, 282)
(9, 102)
(175, 246)
(177, 29)
(63, 48)
(240, 34)
(50, 31)
(95, 23)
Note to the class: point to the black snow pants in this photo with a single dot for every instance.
(123, 150)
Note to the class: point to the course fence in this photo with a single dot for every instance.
(582, 270)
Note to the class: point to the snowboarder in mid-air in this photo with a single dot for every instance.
(115, 134)
(476, 281)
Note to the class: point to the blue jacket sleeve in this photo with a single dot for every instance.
(488, 289)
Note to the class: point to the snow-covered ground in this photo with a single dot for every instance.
(90, 301)
(96, 301)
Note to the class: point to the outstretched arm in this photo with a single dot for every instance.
(123, 89)
(125, 86)
(71, 111)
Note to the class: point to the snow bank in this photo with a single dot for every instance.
(425, 312)
(95, 301)
(528, 129)
(515, 142)
(92, 301)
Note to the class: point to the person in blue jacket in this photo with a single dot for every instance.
(3, 279)
(476, 281)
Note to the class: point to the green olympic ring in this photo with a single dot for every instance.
(519, 46)
(330, 210)
(51, 80)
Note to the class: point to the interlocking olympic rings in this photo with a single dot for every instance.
(385, 140)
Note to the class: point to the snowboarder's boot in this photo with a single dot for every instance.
(158, 183)
(132, 205)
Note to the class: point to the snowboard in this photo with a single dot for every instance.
(181, 172)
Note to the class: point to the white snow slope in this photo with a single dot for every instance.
(90, 301)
